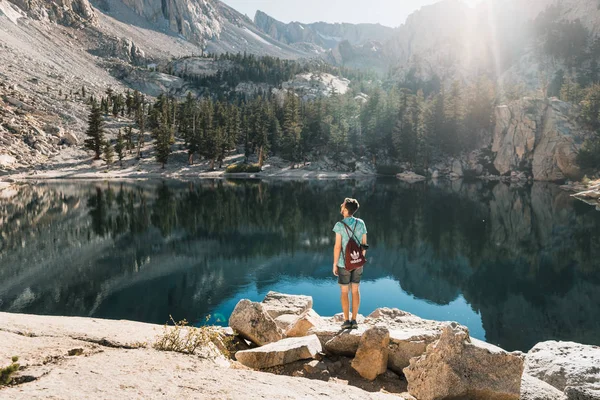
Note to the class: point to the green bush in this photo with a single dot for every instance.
(589, 155)
(6, 372)
(391, 170)
(242, 168)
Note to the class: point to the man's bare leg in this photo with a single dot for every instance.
(355, 300)
(345, 301)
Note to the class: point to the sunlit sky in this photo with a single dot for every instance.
(386, 12)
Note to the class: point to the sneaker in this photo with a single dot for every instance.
(354, 324)
(347, 325)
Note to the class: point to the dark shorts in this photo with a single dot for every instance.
(347, 277)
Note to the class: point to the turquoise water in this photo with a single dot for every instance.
(515, 265)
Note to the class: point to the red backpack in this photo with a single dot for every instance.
(354, 258)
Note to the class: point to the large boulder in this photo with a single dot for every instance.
(409, 335)
(276, 304)
(538, 134)
(252, 322)
(282, 352)
(570, 367)
(372, 355)
(454, 367)
(535, 389)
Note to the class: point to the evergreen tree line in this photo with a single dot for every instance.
(245, 67)
(399, 125)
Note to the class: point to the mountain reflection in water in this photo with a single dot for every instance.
(516, 265)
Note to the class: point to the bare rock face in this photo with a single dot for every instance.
(372, 355)
(197, 21)
(538, 135)
(122, 48)
(535, 389)
(66, 12)
(454, 367)
(276, 304)
(570, 367)
(252, 322)
(279, 353)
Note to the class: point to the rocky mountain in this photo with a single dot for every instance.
(322, 34)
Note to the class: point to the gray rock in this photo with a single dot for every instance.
(535, 389)
(410, 177)
(454, 367)
(70, 139)
(276, 304)
(301, 326)
(570, 367)
(372, 355)
(409, 335)
(282, 352)
(252, 322)
(315, 367)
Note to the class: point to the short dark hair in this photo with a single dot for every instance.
(351, 205)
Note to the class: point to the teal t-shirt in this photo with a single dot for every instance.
(359, 231)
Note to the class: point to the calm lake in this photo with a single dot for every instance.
(515, 265)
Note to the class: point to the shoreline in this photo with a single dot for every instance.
(71, 357)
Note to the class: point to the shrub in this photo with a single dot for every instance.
(242, 168)
(6, 372)
(390, 170)
(182, 338)
(589, 155)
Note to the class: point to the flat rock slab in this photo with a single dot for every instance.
(282, 352)
(570, 367)
(276, 304)
(96, 330)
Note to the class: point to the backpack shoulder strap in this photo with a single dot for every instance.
(351, 232)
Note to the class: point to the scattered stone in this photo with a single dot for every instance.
(282, 352)
(252, 322)
(570, 367)
(315, 367)
(372, 355)
(75, 352)
(70, 139)
(454, 367)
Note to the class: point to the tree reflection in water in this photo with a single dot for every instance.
(525, 259)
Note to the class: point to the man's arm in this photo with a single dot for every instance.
(337, 250)
(364, 241)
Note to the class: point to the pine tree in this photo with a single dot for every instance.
(108, 152)
(140, 117)
(120, 147)
(95, 131)
(162, 134)
(129, 139)
(292, 128)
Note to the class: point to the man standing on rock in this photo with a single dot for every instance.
(344, 230)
